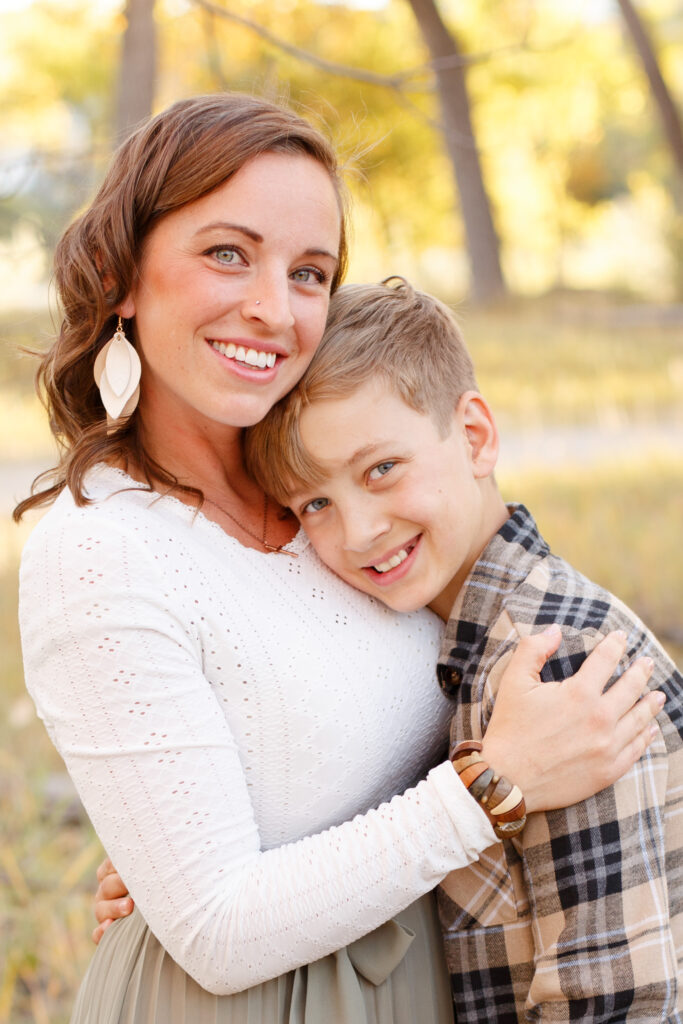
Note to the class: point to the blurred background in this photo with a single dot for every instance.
(521, 158)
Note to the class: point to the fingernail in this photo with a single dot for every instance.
(620, 635)
(552, 630)
(648, 664)
(124, 904)
(660, 699)
(654, 729)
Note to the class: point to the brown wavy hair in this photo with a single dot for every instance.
(179, 156)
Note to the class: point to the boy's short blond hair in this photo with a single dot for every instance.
(388, 331)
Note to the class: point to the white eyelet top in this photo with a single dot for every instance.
(235, 723)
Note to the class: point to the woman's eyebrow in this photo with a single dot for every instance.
(321, 252)
(223, 225)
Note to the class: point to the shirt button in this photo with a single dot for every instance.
(450, 679)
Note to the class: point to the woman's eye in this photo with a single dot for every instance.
(380, 470)
(316, 505)
(304, 275)
(226, 254)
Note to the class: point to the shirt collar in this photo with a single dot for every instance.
(504, 563)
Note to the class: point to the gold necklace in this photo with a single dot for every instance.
(279, 550)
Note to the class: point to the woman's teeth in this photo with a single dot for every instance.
(392, 562)
(246, 355)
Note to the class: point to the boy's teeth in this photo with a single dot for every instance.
(392, 562)
(246, 355)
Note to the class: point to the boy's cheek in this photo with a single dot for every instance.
(335, 559)
(323, 547)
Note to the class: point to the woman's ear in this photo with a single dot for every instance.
(126, 309)
(479, 426)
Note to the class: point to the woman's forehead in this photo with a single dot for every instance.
(275, 194)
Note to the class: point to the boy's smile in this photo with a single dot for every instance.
(403, 513)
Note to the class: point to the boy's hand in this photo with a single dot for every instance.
(111, 899)
(563, 742)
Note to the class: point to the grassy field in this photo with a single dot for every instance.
(542, 367)
(619, 521)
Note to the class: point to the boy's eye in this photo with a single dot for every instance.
(315, 505)
(380, 470)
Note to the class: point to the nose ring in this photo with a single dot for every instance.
(258, 302)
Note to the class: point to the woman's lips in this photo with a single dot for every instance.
(251, 369)
(248, 355)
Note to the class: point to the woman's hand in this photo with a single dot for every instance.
(563, 742)
(111, 899)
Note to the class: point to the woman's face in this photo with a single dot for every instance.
(233, 292)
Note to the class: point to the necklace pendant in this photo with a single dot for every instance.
(271, 548)
(279, 550)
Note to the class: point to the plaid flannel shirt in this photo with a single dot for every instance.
(581, 916)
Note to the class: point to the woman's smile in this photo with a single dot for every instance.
(242, 352)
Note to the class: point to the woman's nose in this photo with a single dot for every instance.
(268, 299)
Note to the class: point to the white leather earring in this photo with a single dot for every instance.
(117, 373)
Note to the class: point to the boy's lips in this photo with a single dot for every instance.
(395, 564)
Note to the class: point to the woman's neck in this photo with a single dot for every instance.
(208, 456)
(200, 452)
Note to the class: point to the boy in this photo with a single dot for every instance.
(386, 452)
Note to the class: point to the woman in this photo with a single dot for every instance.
(228, 709)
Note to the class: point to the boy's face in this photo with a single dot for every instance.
(404, 513)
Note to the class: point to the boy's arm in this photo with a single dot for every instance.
(603, 878)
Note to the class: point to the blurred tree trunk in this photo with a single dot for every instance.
(138, 67)
(483, 244)
(671, 118)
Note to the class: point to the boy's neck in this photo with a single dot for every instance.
(495, 513)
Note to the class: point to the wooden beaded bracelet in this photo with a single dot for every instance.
(503, 800)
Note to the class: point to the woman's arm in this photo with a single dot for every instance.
(116, 672)
(589, 740)
(114, 664)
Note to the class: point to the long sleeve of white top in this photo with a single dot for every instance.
(116, 670)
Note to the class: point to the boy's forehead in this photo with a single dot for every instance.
(330, 428)
(338, 432)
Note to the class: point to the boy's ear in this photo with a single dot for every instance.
(476, 420)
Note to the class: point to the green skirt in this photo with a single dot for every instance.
(394, 975)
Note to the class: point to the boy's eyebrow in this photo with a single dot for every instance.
(364, 452)
(323, 474)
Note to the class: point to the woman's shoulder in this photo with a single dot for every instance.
(114, 509)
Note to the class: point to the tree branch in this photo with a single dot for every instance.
(398, 82)
(345, 71)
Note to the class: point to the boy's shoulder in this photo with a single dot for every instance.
(519, 586)
(549, 589)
